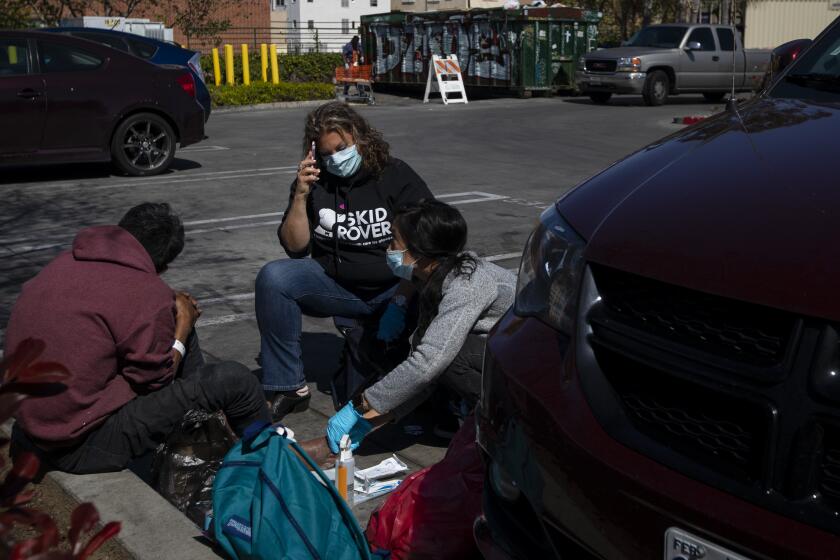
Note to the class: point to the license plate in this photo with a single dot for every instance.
(595, 81)
(681, 545)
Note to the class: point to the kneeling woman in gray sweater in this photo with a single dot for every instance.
(461, 297)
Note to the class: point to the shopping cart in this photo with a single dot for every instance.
(360, 76)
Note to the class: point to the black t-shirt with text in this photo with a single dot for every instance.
(350, 224)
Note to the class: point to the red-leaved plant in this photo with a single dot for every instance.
(23, 377)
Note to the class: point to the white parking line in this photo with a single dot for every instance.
(235, 227)
(202, 148)
(159, 180)
(231, 219)
(196, 180)
(24, 245)
(237, 317)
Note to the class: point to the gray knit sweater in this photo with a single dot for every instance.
(469, 305)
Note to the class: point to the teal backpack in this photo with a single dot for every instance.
(268, 505)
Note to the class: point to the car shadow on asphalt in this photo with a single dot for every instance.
(637, 101)
(79, 171)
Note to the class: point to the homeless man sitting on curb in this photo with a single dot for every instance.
(128, 341)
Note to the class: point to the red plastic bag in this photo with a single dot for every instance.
(431, 514)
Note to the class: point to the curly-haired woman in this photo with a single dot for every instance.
(340, 211)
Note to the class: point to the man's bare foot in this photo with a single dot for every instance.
(319, 451)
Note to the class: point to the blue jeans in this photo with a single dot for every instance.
(285, 290)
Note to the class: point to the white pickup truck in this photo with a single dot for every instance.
(669, 59)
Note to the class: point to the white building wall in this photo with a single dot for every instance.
(769, 23)
(326, 25)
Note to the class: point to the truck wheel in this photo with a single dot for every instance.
(657, 86)
(143, 145)
(600, 97)
(714, 96)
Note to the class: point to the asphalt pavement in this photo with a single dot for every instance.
(501, 161)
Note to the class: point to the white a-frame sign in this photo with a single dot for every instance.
(447, 80)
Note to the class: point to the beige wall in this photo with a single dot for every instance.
(442, 5)
(279, 28)
(769, 23)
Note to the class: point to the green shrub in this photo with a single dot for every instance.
(261, 92)
(311, 67)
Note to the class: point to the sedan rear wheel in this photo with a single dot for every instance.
(143, 145)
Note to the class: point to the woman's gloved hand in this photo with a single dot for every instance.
(392, 323)
(347, 421)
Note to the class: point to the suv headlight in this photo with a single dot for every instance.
(626, 64)
(550, 272)
(582, 63)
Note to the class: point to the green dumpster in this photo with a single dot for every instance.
(523, 50)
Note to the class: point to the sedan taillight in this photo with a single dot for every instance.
(187, 83)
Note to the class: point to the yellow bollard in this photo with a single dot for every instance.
(246, 66)
(217, 68)
(275, 70)
(264, 61)
(229, 64)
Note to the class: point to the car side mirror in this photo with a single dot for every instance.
(693, 46)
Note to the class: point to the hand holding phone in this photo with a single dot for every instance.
(308, 173)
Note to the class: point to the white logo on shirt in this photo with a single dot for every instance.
(363, 227)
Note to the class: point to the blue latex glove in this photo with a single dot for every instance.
(392, 323)
(347, 421)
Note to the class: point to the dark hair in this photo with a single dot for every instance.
(158, 229)
(437, 231)
(336, 116)
(355, 42)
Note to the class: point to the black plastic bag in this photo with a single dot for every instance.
(184, 467)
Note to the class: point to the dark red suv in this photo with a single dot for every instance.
(668, 382)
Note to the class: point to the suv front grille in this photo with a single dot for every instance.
(729, 393)
(597, 65)
(715, 429)
(830, 467)
(726, 328)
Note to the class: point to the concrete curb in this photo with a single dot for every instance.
(268, 106)
(152, 528)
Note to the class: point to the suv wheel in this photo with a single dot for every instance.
(600, 97)
(143, 145)
(657, 86)
(714, 96)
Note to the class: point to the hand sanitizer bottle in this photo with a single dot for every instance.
(345, 470)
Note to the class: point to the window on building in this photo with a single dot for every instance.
(345, 26)
(374, 3)
(310, 24)
(726, 39)
(14, 58)
(703, 35)
(345, 3)
(294, 23)
(60, 58)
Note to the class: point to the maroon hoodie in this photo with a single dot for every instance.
(107, 316)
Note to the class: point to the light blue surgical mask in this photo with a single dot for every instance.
(395, 260)
(344, 163)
